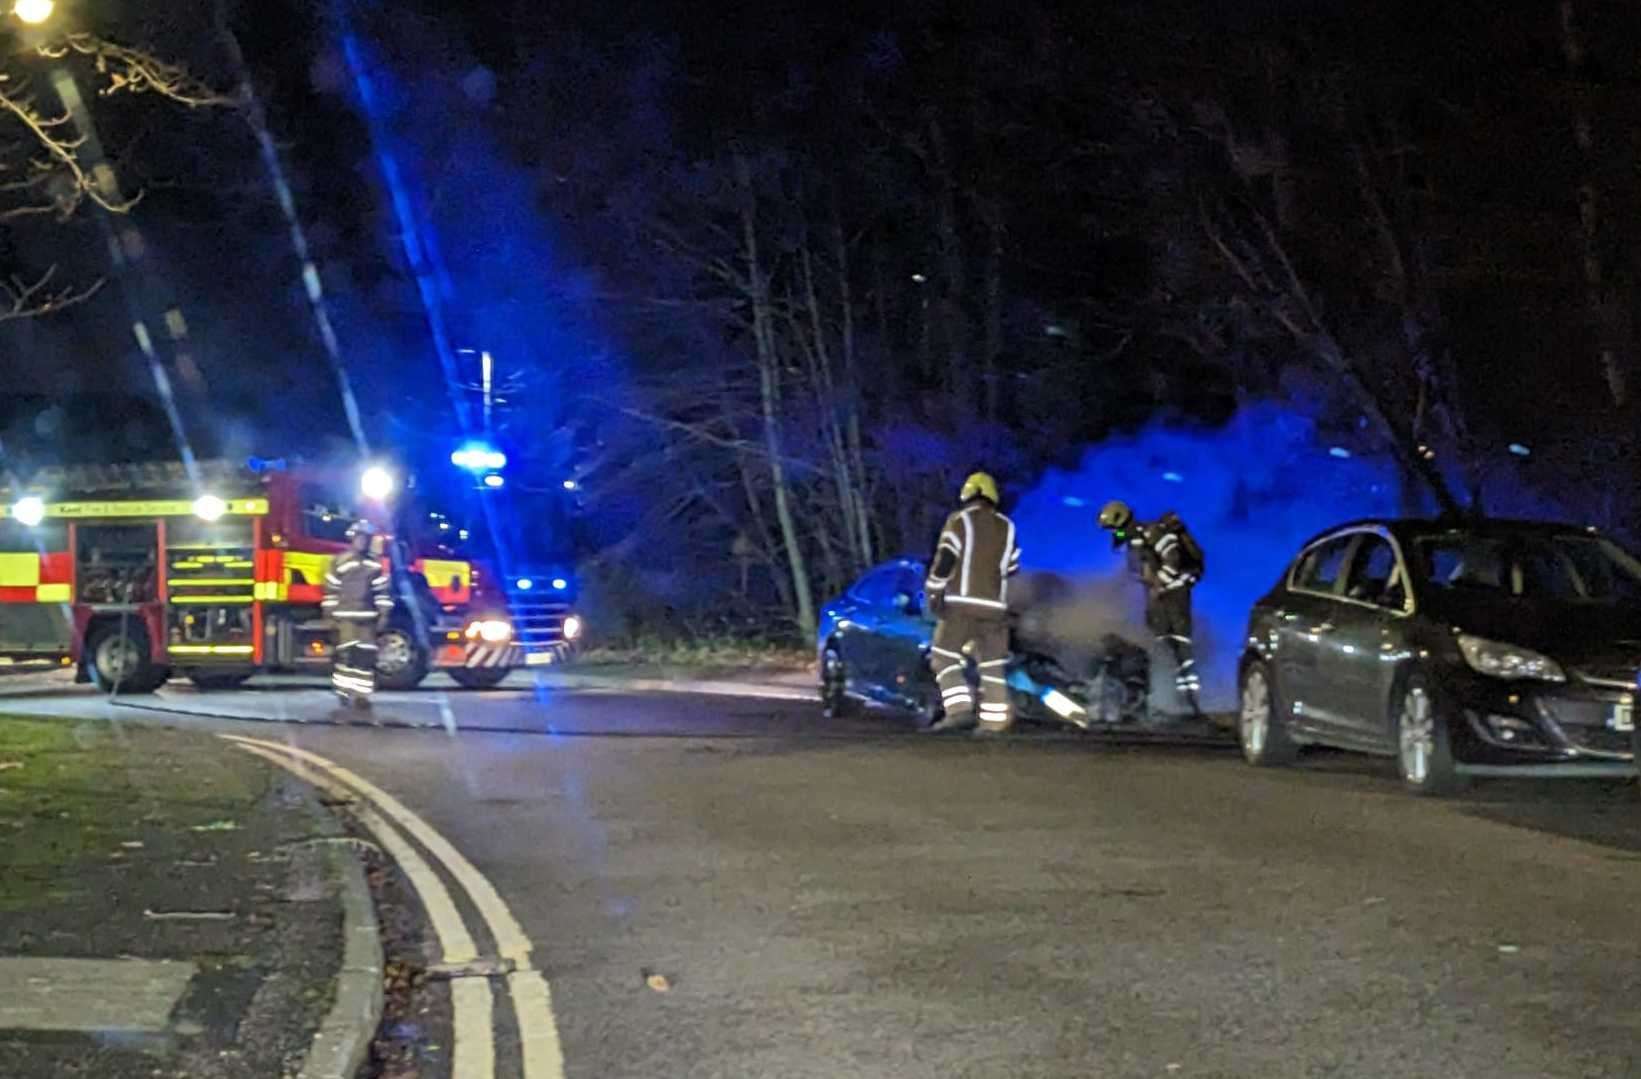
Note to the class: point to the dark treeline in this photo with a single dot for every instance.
(841, 255)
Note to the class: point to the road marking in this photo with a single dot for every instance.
(540, 1047)
(473, 1051)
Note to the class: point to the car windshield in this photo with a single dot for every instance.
(1543, 566)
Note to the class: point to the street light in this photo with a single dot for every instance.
(34, 12)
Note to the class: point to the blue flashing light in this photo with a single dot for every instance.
(265, 464)
(525, 584)
(560, 584)
(571, 485)
(1519, 450)
(1074, 502)
(1173, 477)
(493, 481)
(1339, 452)
(478, 457)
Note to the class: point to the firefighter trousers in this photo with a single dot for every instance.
(353, 668)
(1174, 679)
(987, 639)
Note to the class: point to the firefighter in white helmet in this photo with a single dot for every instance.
(968, 589)
(358, 600)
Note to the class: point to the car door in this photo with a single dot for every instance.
(1304, 620)
(1353, 687)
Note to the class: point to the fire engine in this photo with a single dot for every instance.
(133, 573)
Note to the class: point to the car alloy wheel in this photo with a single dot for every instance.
(1260, 730)
(394, 652)
(1423, 753)
(1417, 736)
(835, 684)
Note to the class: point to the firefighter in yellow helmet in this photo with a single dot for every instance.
(1170, 562)
(968, 590)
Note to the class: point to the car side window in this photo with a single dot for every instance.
(877, 588)
(1319, 569)
(1373, 574)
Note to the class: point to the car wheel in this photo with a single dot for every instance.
(1261, 727)
(400, 662)
(480, 677)
(835, 685)
(1424, 755)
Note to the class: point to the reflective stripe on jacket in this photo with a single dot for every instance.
(974, 558)
(356, 589)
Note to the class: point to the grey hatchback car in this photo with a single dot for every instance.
(1459, 648)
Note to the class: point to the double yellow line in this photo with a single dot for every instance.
(404, 836)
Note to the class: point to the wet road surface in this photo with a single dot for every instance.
(828, 898)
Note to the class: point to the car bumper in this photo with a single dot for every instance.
(1571, 728)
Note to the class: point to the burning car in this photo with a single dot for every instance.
(1459, 648)
(873, 646)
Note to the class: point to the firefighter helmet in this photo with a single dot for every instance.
(1116, 516)
(979, 485)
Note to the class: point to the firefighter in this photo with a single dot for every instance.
(358, 601)
(1170, 563)
(968, 590)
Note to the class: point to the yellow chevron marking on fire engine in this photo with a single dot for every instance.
(211, 599)
(439, 572)
(311, 566)
(270, 590)
(19, 570)
(52, 593)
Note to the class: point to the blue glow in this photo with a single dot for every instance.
(494, 481)
(478, 457)
(1173, 477)
(1519, 450)
(1073, 501)
(525, 584)
(571, 485)
(560, 584)
(1339, 452)
(1254, 497)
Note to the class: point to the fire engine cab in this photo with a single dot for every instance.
(130, 574)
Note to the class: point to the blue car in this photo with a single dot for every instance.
(873, 644)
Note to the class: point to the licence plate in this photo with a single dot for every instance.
(1622, 716)
(538, 659)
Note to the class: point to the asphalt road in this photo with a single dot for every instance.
(852, 899)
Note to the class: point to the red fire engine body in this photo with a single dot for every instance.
(129, 575)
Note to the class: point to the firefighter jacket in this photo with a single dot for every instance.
(1169, 556)
(974, 560)
(356, 589)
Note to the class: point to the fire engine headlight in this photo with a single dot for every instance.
(572, 627)
(490, 631)
(28, 511)
(209, 508)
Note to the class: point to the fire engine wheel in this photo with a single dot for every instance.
(401, 663)
(480, 677)
(118, 661)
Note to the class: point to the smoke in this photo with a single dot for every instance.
(1251, 491)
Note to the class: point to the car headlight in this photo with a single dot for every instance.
(1507, 661)
(572, 627)
(490, 631)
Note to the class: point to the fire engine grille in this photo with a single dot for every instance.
(537, 624)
